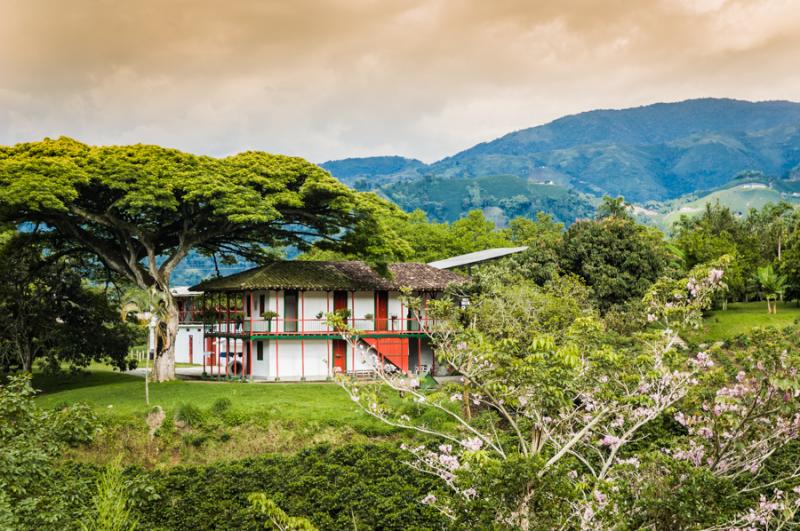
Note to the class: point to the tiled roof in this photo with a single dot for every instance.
(352, 275)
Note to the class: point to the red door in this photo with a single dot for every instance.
(339, 300)
(381, 310)
(339, 356)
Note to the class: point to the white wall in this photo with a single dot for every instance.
(185, 334)
(296, 359)
(397, 309)
(311, 304)
(262, 368)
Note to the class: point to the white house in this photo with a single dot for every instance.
(272, 319)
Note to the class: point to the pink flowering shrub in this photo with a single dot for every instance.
(549, 426)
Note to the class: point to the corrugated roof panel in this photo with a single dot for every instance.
(476, 257)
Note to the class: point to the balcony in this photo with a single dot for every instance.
(281, 327)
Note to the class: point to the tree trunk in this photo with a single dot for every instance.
(164, 362)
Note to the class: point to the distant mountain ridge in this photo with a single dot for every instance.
(650, 153)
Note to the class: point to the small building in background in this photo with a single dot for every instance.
(189, 344)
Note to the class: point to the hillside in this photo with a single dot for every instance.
(501, 197)
(655, 152)
(739, 195)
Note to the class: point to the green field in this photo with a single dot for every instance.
(122, 395)
(739, 198)
(741, 317)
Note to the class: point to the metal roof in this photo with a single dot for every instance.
(476, 257)
(184, 291)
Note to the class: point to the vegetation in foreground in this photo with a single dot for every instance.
(580, 405)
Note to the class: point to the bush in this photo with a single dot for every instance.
(75, 424)
(189, 415)
(369, 485)
(221, 405)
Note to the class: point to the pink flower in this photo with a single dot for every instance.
(430, 499)
(610, 441)
(473, 445)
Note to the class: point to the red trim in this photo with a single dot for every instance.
(328, 343)
(277, 310)
(250, 352)
(228, 331)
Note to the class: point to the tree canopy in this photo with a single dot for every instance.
(140, 209)
(49, 313)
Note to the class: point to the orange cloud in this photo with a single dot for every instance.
(327, 79)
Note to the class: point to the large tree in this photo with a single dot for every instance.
(618, 258)
(49, 313)
(140, 209)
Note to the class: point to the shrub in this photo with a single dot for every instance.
(221, 405)
(75, 424)
(369, 486)
(189, 415)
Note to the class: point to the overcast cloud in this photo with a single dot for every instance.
(332, 79)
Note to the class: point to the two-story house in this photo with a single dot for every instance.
(270, 322)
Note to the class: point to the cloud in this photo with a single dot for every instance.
(329, 79)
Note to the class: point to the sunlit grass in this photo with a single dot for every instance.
(122, 395)
(741, 317)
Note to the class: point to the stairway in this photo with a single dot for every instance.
(390, 349)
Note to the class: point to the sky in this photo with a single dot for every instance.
(346, 78)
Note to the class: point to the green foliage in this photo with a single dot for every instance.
(366, 485)
(49, 313)
(276, 518)
(111, 510)
(618, 258)
(32, 439)
(189, 415)
(666, 494)
(774, 285)
(221, 405)
(501, 197)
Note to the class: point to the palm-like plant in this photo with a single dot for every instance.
(774, 285)
(150, 308)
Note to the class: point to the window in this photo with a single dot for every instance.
(262, 304)
(290, 311)
(260, 351)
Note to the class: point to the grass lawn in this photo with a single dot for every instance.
(122, 395)
(740, 317)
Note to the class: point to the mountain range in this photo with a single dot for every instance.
(648, 154)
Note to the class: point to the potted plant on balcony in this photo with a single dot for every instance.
(368, 321)
(268, 316)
